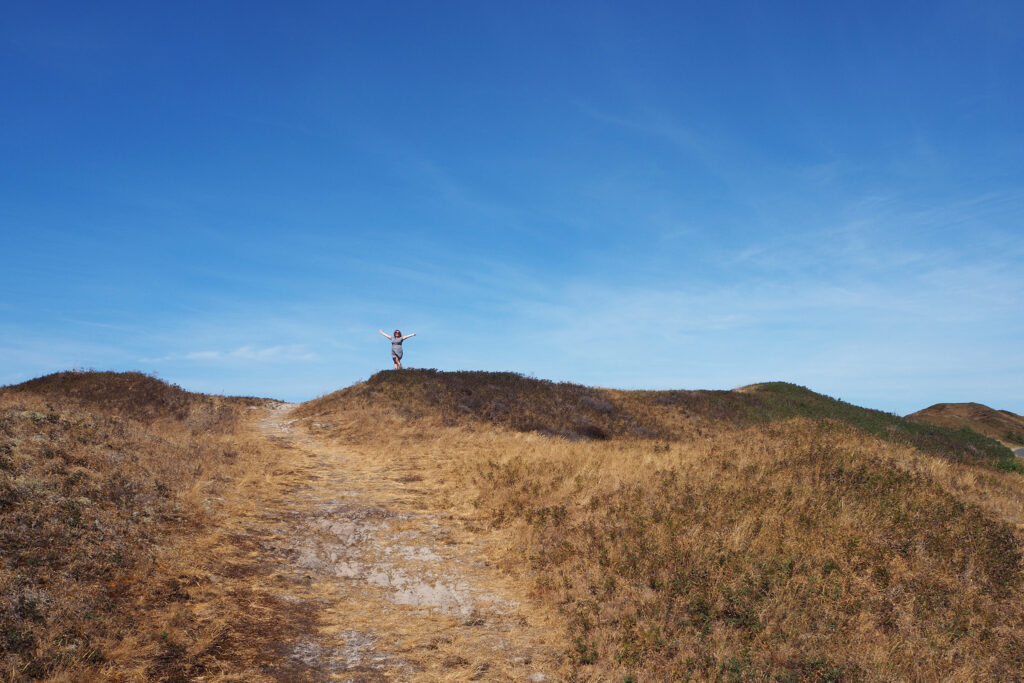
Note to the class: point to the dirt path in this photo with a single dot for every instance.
(348, 575)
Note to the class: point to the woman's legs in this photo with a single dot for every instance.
(398, 362)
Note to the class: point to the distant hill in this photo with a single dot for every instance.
(1001, 425)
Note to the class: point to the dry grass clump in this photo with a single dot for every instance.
(100, 476)
(791, 548)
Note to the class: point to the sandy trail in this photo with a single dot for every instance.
(350, 576)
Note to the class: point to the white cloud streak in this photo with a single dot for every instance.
(248, 353)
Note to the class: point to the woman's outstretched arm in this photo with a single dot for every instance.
(386, 336)
(408, 335)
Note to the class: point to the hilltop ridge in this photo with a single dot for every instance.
(578, 412)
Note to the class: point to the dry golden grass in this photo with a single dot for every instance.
(800, 549)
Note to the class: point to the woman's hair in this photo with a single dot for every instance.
(398, 333)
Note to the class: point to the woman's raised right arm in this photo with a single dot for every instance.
(383, 335)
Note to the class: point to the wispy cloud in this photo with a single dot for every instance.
(651, 122)
(877, 235)
(248, 352)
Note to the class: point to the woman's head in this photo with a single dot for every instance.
(398, 333)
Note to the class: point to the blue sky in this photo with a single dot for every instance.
(236, 196)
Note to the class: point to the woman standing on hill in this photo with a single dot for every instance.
(396, 346)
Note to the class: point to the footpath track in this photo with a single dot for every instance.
(347, 574)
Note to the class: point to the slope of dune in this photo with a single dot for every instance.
(765, 534)
(102, 475)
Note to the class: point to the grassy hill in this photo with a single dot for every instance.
(1001, 425)
(769, 533)
(100, 475)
